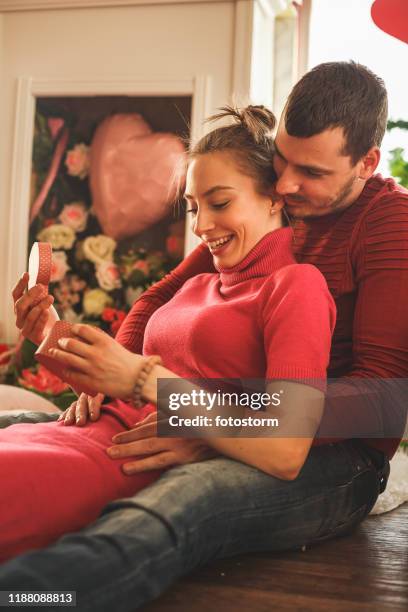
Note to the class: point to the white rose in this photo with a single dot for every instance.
(71, 316)
(98, 249)
(77, 161)
(60, 236)
(95, 300)
(108, 276)
(59, 266)
(74, 215)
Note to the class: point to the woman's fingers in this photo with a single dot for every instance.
(77, 347)
(94, 404)
(39, 312)
(69, 415)
(18, 290)
(73, 362)
(81, 410)
(88, 332)
(24, 304)
(63, 415)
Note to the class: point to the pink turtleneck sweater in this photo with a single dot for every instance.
(267, 317)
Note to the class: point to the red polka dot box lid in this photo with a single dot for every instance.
(39, 269)
(40, 264)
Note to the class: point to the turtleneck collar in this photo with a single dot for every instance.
(272, 252)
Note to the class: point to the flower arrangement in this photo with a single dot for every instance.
(18, 367)
(94, 279)
(92, 274)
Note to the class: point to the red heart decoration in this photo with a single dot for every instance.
(133, 174)
(391, 16)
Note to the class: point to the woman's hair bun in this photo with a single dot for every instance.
(258, 121)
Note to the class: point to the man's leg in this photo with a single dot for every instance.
(196, 513)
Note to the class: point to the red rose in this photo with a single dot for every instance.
(108, 314)
(43, 381)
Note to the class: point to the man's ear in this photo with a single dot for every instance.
(368, 163)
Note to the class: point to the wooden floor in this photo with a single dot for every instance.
(365, 571)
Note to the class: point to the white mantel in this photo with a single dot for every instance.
(218, 51)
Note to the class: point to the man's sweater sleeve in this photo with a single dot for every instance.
(131, 332)
(375, 405)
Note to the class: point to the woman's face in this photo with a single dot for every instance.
(228, 213)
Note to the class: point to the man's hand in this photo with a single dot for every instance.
(158, 453)
(84, 408)
(31, 309)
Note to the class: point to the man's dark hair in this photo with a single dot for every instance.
(339, 94)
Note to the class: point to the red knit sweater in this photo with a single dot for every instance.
(363, 254)
(267, 317)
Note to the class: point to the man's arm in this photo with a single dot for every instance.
(369, 400)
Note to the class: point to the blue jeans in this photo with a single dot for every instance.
(197, 513)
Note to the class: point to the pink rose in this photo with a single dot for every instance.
(142, 265)
(77, 161)
(108, 277)
(59, 266)
(75, 216)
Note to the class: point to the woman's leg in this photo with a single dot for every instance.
(196, 513)
(56, 479)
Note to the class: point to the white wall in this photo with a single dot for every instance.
(141, 42)
(231, 41)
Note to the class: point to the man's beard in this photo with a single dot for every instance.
(339, 202)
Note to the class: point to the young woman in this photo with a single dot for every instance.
(260, 316)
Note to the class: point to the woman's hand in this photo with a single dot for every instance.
(158, 453)
(84, 408)
(97, 362)
(31, 309)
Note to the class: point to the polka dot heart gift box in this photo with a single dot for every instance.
(39, 269)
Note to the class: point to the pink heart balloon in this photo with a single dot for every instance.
(133, 174)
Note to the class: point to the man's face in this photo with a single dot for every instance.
(314, 177)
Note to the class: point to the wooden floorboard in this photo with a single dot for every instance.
(365, 571)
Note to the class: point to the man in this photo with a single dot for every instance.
(354, 227)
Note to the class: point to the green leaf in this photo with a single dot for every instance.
(136, 278)
(399, 166)
(64, 400)
(27, 354)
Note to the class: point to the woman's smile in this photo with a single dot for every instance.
(219, 245)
